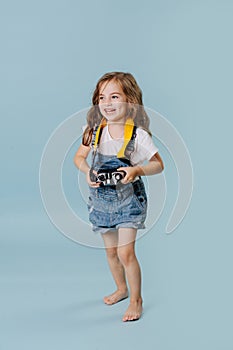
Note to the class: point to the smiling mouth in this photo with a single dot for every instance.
(108, 110)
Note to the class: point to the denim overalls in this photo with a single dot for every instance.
(123, 205)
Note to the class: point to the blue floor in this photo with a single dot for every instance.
(52, 289)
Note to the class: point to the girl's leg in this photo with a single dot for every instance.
(126, 253)
(111, 241)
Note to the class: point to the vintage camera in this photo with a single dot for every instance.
(107, 177)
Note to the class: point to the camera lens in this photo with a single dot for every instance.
(101, 177)
(118, 177)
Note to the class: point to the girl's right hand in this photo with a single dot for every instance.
(90, 183)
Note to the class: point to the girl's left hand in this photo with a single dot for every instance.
(131, 173)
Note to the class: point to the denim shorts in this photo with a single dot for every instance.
(112, 207)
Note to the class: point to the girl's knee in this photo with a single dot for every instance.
(112, 253)
(126, 255)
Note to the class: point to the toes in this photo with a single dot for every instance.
(114, 298)
(136, 317)
(107, 300)
(127, 317)
(131, 317)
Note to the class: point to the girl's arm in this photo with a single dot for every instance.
(81, 163)
(154, 166)
(80, 158)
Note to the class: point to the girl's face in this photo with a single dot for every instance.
(112, 102)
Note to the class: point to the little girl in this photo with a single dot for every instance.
(122, 151)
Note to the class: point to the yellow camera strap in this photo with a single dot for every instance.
(129, 136)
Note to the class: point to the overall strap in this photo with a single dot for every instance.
(97, 133)
(95, 142)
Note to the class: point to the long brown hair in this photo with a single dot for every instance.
(133, 95)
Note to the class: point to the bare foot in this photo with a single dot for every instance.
(116, 297)
(134, 311)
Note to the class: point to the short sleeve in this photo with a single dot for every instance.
(144, 147)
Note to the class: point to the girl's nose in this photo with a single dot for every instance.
(108, 101)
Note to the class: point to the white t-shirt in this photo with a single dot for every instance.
(144, 147)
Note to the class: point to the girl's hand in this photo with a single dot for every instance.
(90, 183)
(131, 173)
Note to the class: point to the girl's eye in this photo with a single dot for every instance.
(114, 96)
(101, 98)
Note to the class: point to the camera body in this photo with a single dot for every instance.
(107, 177)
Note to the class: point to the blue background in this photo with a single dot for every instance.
(52, 54)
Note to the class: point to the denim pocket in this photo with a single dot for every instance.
(106, 194)
(141, 201)
(140, 196)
